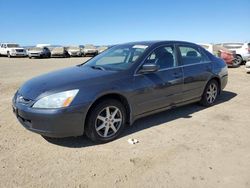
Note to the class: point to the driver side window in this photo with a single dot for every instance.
(163, 56)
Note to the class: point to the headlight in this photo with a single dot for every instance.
(57, 100)
(13, 50)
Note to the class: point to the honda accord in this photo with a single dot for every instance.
(113, 89)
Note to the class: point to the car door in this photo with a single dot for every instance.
(162, 88)
(197, 69)
(3, 49)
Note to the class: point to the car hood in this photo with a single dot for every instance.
(35, 51)
(73, 50)
(62, 80)
(17, 48)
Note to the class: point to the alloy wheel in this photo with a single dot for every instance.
(212, 93)
(108, 121)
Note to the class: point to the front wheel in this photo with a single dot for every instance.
(8, 54)
(106, 121)
(210, 93)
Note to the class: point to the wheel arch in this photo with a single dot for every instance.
(117, 96)
(237, 54)
(216, 78)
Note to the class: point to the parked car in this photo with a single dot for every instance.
(59, 52)
(101, 49)
(117, 87)
(39, 52)
(242, 51)
(74, 51)
(90, 49)
(12, 50)
(223, 53)
(248, 66)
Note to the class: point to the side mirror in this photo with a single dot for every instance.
(149, 68)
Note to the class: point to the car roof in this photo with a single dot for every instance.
(157, 42)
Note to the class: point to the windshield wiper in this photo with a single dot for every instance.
(97, 67)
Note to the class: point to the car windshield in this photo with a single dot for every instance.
(36, 49)
(120, 57)
(12, 45)
(73, 48)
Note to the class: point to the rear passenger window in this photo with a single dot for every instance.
(191, 55)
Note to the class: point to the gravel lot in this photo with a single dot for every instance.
(190, 146)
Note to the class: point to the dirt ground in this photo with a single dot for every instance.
(190, 146)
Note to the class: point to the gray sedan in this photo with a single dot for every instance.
(39, 52)
(118, 86)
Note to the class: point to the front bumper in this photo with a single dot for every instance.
(63, 122)
(90, 52)
(75, 54)
(35, 54)
(18, 54)
(57, 55)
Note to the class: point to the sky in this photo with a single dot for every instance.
(104, 22)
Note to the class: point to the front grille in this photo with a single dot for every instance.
(19, 50)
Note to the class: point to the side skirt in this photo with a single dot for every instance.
(134, 118)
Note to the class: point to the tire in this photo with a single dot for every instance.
(210, 93)
(102, 127)
(238, 61)
(235, 64)
(8, 54)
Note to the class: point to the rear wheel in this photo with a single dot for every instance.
(210, 93)
(238, 61)
(235, 63)
(106, 121)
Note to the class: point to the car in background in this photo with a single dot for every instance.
(39, 52)
(12, 50)
(74, 51)
(101, 49)
(59, 52)
(242, 51)
(223, 53)
(248, 65)
(90, 50)
(114, 89)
